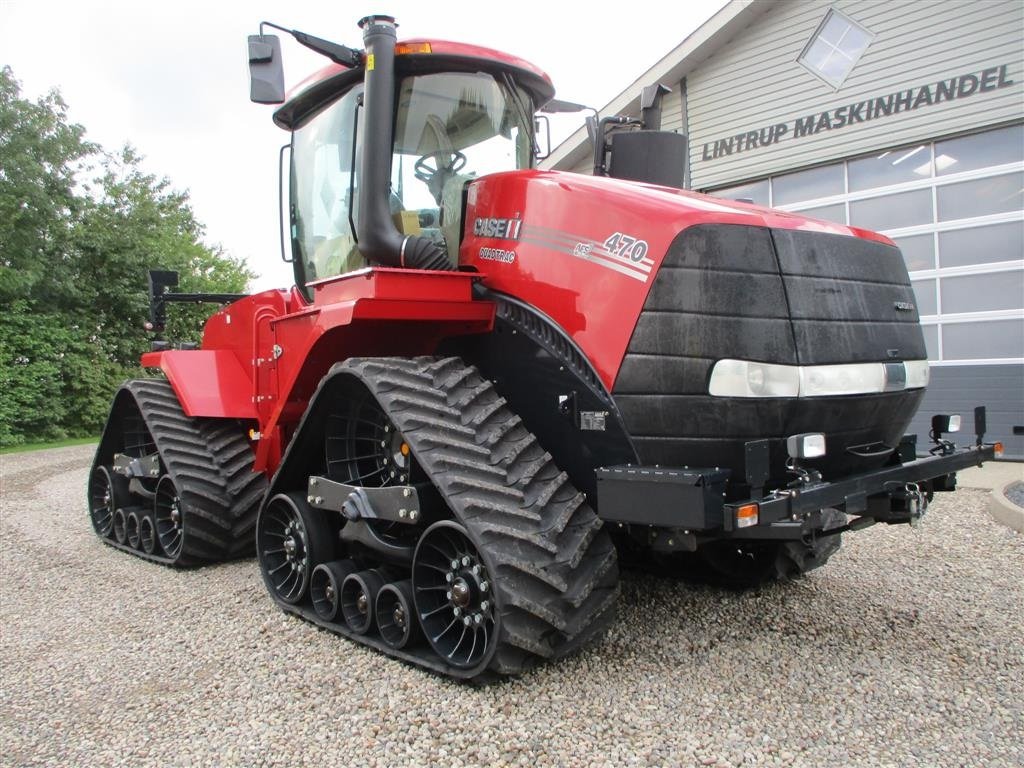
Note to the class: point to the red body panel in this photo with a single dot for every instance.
(263, 356)
(561, 265)
(209, 382)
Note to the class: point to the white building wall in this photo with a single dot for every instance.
(755, 81)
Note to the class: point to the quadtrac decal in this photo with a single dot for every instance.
(498, 254)
(625, 253)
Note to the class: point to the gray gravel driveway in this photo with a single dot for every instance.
(907, 649)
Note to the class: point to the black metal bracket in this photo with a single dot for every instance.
(393, 503)
(147, 467)
(160, 283)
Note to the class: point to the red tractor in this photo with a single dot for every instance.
(490, 384)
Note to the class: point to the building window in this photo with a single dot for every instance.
(835, 48)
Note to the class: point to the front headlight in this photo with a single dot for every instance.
(856, 379)
(743, 378)
(746, 378)
(918, 373)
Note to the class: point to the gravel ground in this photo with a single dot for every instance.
(905, 650)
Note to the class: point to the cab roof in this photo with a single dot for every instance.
(413, 56)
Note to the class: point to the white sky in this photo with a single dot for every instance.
(171, 79)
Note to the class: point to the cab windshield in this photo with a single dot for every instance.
(450, 128)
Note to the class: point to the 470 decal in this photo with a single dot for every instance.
(627, 246)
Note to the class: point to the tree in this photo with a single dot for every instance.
(73, 268)
(40, 153)
(138, 223)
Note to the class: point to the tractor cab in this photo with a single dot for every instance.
(385, 141)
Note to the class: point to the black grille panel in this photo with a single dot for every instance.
(750, 293)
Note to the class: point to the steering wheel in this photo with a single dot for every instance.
(445, 162)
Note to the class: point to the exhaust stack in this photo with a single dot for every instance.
(380, 242)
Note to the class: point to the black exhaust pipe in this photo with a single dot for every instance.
(380, 242)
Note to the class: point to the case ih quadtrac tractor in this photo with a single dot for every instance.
(490, 384)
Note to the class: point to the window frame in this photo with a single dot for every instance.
(829, 14)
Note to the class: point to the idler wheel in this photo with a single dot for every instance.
(454, 594)
(291, 540)
(358, 595)
(325, 586)
(120, 525)
(396, 614)
(132, 529)
(169, 518)
(107, 491)
(147, 534)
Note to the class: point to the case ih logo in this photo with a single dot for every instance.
(503, 229)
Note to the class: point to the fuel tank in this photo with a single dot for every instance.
(711, 323)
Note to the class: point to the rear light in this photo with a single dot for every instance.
(997, 450)
(809, 445)
(945, 423)
(746, 516)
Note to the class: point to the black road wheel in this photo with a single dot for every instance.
(291, 540)
(169, 518)
(358, 597)
(454, 596)
(325, 586)
(120, 526)
(107, 491)
(396, 614)
(132, 529)
(147, 534)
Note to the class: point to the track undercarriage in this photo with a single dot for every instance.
(414, 513)
(170, 488)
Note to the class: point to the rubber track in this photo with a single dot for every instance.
(210, 462)
(556, 570)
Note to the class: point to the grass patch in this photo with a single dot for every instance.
(52, 444)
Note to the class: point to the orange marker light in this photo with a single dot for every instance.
(412, 48)
(746, 516)
(997, 450)
(404, 449)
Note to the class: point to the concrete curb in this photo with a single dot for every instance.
(1005, 511)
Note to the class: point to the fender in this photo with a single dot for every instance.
(208, 382)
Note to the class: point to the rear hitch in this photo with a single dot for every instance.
(909, 502)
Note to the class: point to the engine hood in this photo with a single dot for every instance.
(657, 285)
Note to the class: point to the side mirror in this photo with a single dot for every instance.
(542, 140)
(266, 70)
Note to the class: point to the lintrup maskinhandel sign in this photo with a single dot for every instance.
(875, 108)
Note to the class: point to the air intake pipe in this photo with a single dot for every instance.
(380, 242)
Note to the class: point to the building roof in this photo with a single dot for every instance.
(735, 16)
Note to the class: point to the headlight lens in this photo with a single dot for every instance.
(918, 373)
(747, 378)
(742, 378)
